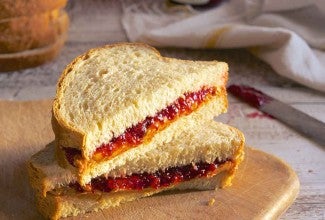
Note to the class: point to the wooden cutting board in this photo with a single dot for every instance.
(264, 187)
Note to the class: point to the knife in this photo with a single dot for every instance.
(290, 116)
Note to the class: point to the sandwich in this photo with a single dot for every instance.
(119, 97)
(205, 156)
(128, 124)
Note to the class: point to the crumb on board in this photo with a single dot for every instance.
(211, 202)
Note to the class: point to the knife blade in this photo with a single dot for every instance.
(299, 121)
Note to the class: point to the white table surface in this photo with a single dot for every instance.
(95, 23)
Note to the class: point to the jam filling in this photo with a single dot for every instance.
(145, 130)
(170, 176)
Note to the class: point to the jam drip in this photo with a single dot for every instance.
(170, 176)
(145, 130)
(71, 154)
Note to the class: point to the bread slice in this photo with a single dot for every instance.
(17, 8)
(71, 204)
(25, 33)
(108, 90)
(30, 58)
(203, 142)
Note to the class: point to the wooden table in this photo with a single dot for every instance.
(100, 24)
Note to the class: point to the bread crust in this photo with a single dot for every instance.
(68, 133)
(29, 32)
(17, 8)
(30, 58)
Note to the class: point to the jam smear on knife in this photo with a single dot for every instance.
(252, 96)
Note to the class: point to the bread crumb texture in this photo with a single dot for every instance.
(211, 202)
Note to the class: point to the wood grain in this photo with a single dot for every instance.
(24, 129)
(263, 188)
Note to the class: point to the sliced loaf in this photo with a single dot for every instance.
(30, 32)
(30, 58)
(17, 8)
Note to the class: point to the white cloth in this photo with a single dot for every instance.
(287, 34)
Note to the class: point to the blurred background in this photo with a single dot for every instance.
(95, 23)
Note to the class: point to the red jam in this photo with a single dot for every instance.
(259, 115)
(145, 130)
(170, 176)
(253, 96)
(71, 153)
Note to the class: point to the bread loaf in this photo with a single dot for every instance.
(30, 32)
(18, 8)
(30, 58)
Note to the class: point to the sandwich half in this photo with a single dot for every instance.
(119, 97)
(204, 156)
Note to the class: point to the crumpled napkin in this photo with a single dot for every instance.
(288, 35)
